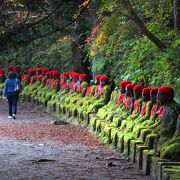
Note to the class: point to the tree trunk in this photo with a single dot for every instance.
(176, 4)
(76, 57)
(159, 44)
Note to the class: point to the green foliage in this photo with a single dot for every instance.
(46, 52)
(125, 53)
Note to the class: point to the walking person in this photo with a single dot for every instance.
(12, 88)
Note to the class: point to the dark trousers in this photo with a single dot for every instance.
(12, 101)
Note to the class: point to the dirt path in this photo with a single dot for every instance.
(30, 148)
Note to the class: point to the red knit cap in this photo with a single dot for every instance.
(32, 71)
(130, 86)
(76, 75)
(39, 69)
(97, 77)
(44, 70)
(124, 83)
(10, 68)
(56, 73)
(104, 78)
(25, 71)
(65, 74)
(1, 71)
(168, 90)
(48, 73)
(51, 73)
(71, 73)
(83, 76)
(138, 87)
(17, 68)
(154, 91)
(146, 91)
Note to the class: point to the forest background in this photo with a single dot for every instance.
(125, 39)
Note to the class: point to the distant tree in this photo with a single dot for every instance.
(21, 16)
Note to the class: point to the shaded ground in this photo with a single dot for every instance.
(30, 148)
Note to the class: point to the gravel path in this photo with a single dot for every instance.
(30, 148)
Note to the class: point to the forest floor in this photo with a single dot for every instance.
(31, 148)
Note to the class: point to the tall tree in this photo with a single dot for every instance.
(29, 16)
(177, 15)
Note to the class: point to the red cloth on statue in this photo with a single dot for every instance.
(136, 104)
(42, 80)
(75, 85)
(62, 82)
(24, 77)
(80, 87)
(47, 81)
(32, 79)
(143, 108)
(97, 89)
(88, 91)
(70, 85)
(153, 109)
(64, 85)
(101, 90)
(54, 82)
(39, 77)
(127, 102)
(160, 112)
(121, 97)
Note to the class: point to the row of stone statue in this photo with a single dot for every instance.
(138, 121)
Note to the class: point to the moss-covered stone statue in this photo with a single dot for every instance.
(2, 79)
(25, 79)
(91, 96)
(131, 133)
(104, 92)
(120, 110)
(126, 110)
(163, 141)
(40, 82)
(54, 102)
(128, 123)
(54, 85)
(32, 79)
(168, 144)
(81, 92)
(72, 91)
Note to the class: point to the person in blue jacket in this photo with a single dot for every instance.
(12, 88)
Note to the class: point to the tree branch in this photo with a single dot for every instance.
(65, 26)
(160, 45)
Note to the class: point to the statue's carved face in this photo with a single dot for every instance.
(38, 73)
(122, 89)
(129, 92)
(163, 98)
(137, 94)
(96, 82)
(92, 82)
(75, 79)
(103, 82)
(145, 96)
(82, 80)
(153, 98)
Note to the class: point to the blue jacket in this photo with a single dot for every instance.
(11, 85)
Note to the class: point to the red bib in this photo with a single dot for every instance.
(88, 91)
(127, 102)
(135, 104)
(160, 112)
(121, 97)
(70, 85)
(143, 108)
(97, 89)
